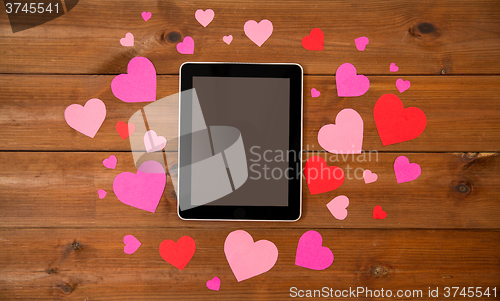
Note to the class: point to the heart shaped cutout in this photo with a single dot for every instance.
(178, 253)
(125, 130)
(406, 171)
(338, 206)
(138, 84)
(345, 136)
(186, 46)
(311, 254)
(314, 41)
(101, 193)
(320, 177)
(110, 162)
(153, 142)
(361, 43)
(258, 32)
(402, 85)
(214, 284)
(146, 15)
(369, 176)
(315, 93)
(86, 119)
(227, 39)
(349, 83)
(393, 68)
(378, 213)
(128, 40)
(131, 244)
(204, 17)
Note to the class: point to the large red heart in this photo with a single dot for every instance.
(178, 253)
(322, 178)
(314, 41)
(395, 123)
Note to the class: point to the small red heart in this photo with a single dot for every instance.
(378, 213)
(125, 130)
(314, 41)
(178, 253)
(395, 123)
(322, 178)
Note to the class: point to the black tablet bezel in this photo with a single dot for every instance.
(294, 72)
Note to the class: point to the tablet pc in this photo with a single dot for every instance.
(240, 141)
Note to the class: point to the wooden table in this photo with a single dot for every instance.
(58, 240)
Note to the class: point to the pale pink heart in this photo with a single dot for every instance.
(369, 176)
(361, 43)
(338, 206)
(153, 142)
(349, 84)
(86, 119)
(142, 190)
(214, 284)
(315, 93)
(247, 258)
(258, 32)
(110, 162)
(102, 193)
(139, 84)
(186, 46)
(228, 39)
(128, 40)
(146, 15)
(402, 85)
(131, 244)
(393, 68)
(345, 136)
(406, 172)
(311, 254)
(204, 17)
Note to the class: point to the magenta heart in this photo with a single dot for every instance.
(131, 244)
(349, 84)
(361, 43)
(393, 68)
(338, 206)
(402, 85)
(345, 136)
(186, 46)
(146, 15)
(310, 252)
(406, 172)
(139, 84)
(214, 284)
(102, 193)
(110, 162)
(315, 93)
(144, 189)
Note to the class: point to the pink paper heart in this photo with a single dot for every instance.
(369, 176)
(338, 206)
(110, 162)
(402, 85)
(345, 136)
(406, 172)
(153, 142)
(146, 15)
(128, 40)
(214, 284)
(361, 43)
(349, 84)
(247, 258)
(204, 17)
(258, 32)
(186, 46)
(315, 93)
(311, 254)
(131, 244)
(139, 84)
(86, 119)
(227, 39)
(393, 68)
(142, 190)
(102, 193)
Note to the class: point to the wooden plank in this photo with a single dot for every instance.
(462, 112)
(82, 264)
(60, 189)
(424, 37)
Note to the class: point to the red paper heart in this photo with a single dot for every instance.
(125, 130)
(314, 41)
(378, 213)
(178, 253)
(322, 178)
(395, 123)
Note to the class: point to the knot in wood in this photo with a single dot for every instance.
(172, 37)
(425, 28)
(66, 288)
(378, 271)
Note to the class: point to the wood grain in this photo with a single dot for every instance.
(424, 37)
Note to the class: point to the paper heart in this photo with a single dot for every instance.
(142, 190)
(369, 176)
(110, 162)
(178, 253)
(395, 123)
(247, 258)
(146, 15)
(349, 84)
(320, 177)
(86, 119)
(258, 32)
(393, 68)
(338, 206)
(102, 193)
(314, 41)
(227, 39)
(204, 17)
(402, 85)
(186, 46)
(138, 84)
(125, 130)
(361, 43)
(128, 40)
(345, 136)
(406, 172)
(214, 284)
(378, 213)
(311, 254)
(131, 244)
(315, 93)
(153, 142)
